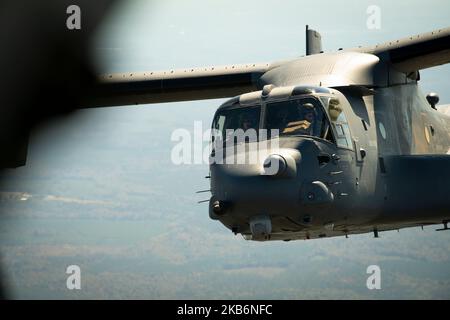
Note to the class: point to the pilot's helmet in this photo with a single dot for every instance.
(308, 106)
(309, 112)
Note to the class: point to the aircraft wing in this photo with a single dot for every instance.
(407, 55)
(415, 52)
(175, 85)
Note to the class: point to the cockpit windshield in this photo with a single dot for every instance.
(303, 116)
(228, 121)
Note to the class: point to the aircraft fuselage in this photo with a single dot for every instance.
(378, 175)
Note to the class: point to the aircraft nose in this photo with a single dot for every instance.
(280, 183)
(272, 179)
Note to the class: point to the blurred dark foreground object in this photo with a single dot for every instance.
(45, 68)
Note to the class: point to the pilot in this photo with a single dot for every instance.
(304, 121)
(247, 122)
(309, 118)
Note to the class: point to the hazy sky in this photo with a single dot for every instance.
(105, 195)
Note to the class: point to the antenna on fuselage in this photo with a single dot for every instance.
(313, 42)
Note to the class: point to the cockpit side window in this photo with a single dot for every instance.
(339, 122)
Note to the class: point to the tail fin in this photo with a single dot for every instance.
(313, 42)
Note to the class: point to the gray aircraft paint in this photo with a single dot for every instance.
(395, 173)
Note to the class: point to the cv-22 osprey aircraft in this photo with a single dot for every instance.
(375, 156)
